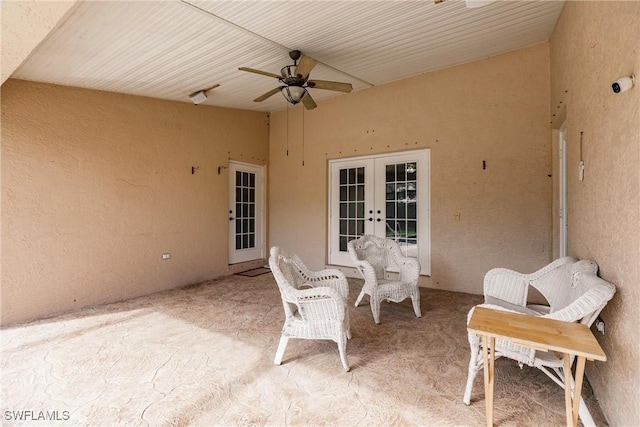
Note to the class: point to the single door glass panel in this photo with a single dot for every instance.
(401, 199)
(245, 210)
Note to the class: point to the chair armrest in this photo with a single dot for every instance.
(320, 303)
(326, 274)
(368, 272)
(507, 285)
(586, 308)
(330, 277)
(409, 269)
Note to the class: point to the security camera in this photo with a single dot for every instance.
(623, 83)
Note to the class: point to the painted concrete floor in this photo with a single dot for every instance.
(203, 355)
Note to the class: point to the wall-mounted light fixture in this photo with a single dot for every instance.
(200, 96)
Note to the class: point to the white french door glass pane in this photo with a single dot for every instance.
(401, 206)
(245, 210)
(351, 217)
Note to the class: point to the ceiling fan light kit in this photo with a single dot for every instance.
(295, 81)
(293, 94)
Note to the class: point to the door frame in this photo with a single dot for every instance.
(562, 191)
(421, 156)
(235, 256)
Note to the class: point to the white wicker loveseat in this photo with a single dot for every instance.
(315, 303)
(372, 256)
(575, 294)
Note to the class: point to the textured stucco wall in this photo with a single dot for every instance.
(25, 24)
(96, 186)
(593, 44)
(494, 110)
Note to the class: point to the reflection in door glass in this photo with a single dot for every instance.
(245, 210)
(351, 221)
(401, 198)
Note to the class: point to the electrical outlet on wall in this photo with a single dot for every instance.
(600, 325)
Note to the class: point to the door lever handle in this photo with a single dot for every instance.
(231, 218)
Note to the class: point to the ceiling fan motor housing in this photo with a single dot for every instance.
(290, 78)
(295, 55)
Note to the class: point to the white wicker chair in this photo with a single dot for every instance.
(314, 303)
(575, 294)
(373, 255)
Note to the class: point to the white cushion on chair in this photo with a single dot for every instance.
(505, 304)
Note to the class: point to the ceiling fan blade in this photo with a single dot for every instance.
(305, 66)
(268, 94)
(264, 73)
(308, 102)
(324, 84)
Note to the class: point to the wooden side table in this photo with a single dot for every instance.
(541, 334)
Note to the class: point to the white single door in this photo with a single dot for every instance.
(246, 212)
(385, 195)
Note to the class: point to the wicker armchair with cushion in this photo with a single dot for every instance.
(315, 303)
(575, 294)
(373, 256)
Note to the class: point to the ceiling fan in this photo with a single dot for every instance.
(295, 81)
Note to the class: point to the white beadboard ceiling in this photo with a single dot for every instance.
(169, 49)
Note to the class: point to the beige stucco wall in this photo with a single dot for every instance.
(593, 44)
(494, 110)
(96, 186)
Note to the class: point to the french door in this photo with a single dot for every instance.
(385, 195)
(246, 212)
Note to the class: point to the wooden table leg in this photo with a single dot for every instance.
(567, 389)
(488, 355)
(577, 393)
(573, 404)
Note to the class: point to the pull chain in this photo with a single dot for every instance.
(287, 129)
(303, 136)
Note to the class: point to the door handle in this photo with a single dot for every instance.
(378, 219)
(370, 219)
(231, 218)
